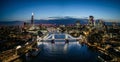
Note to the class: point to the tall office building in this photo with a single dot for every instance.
(32, 18)
(77, 24)
(91, 21)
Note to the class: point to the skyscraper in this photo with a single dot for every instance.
(77, 23)
(91, 21)
(32, 18)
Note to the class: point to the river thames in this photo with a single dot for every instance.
(63, 52)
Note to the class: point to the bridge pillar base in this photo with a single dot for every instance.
(52, 41)
(66, 41)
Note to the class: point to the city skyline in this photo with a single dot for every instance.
(21, 9)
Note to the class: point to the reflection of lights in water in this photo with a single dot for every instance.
(65, 48)
(46, 43)
(77, 42)
(53, 47)
(39, 43)
(58, 47)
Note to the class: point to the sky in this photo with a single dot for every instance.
(12, 10)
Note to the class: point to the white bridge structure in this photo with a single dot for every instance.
(53, 37)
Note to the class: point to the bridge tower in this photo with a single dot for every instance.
(53, 38)
(66, 38)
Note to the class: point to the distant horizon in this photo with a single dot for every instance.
(55, 18)
(61, 17)
(22, 9)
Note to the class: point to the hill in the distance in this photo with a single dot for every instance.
(52, 20)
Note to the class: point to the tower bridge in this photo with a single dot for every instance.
(54, 36)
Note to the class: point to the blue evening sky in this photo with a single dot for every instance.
(22, 9)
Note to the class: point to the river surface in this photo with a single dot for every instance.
(64, 52)
(61, 52)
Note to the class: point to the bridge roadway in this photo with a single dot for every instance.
(53, 37)
(12, 54)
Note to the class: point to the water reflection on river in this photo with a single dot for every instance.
(64, 52)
